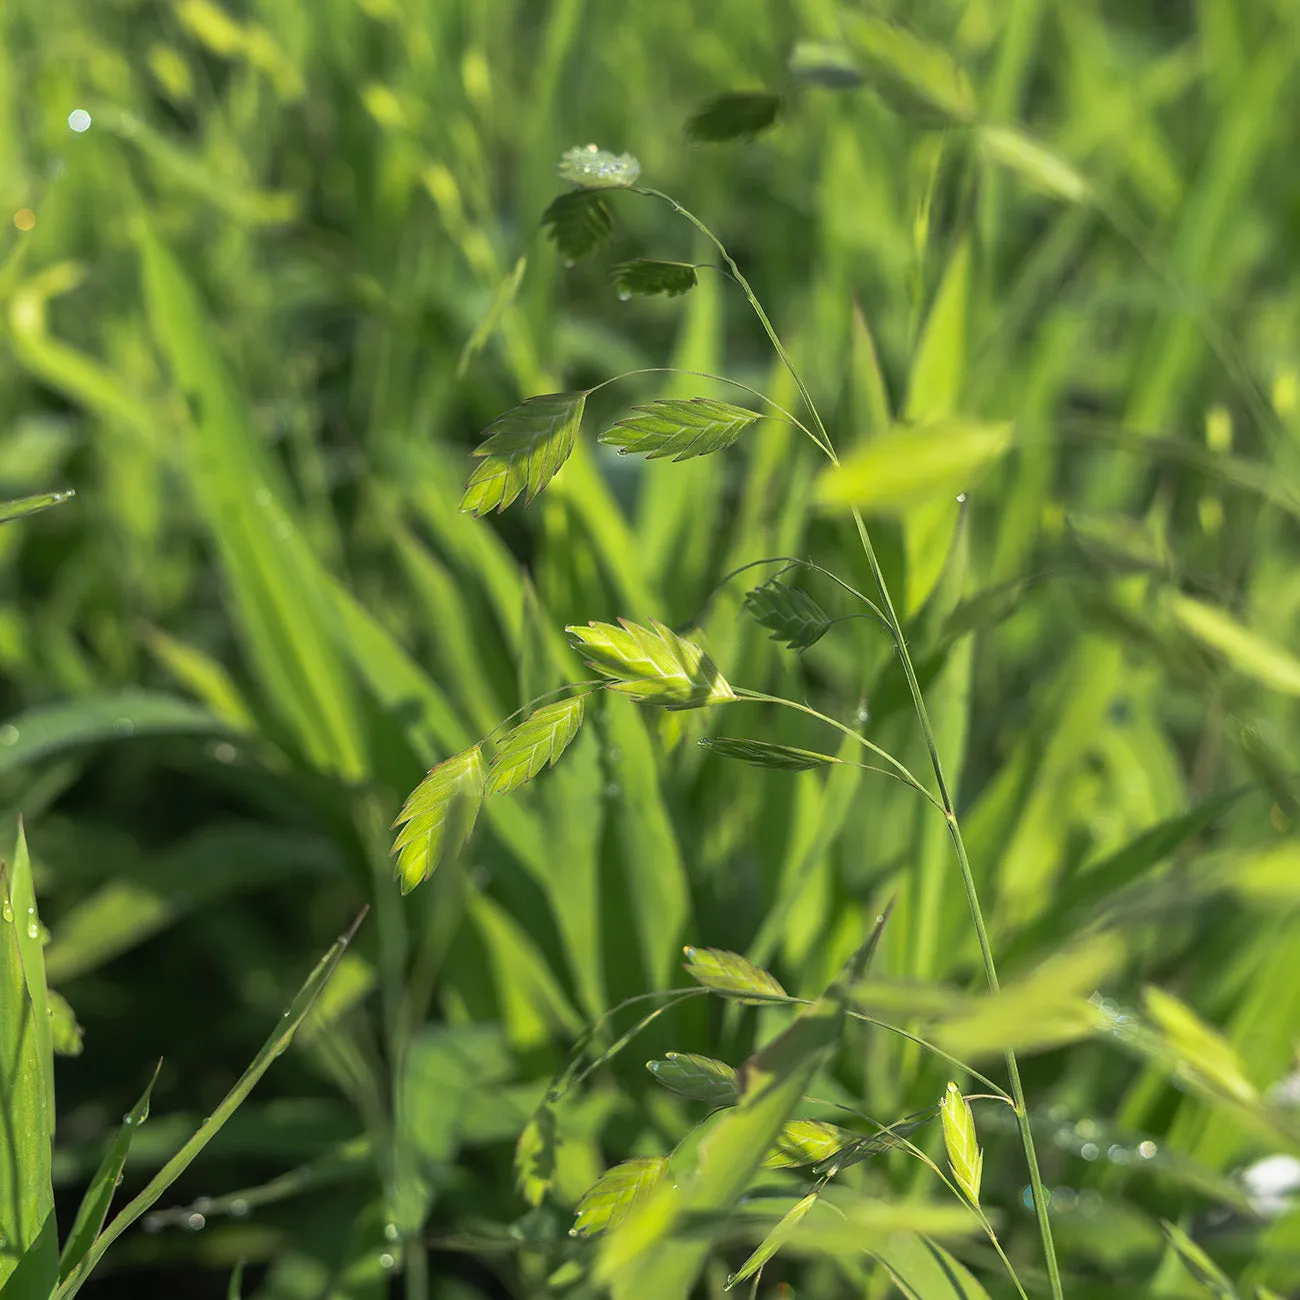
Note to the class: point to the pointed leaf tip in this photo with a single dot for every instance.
(680, 428)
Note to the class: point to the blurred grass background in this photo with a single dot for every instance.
(236, 308)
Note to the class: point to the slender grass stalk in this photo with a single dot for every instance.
(823, 440)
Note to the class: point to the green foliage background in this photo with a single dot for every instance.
(258, 324)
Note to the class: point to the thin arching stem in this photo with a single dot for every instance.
(945, 801)
(900, 769)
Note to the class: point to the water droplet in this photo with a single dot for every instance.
(961, 498)
(863, 713)
(573, 1232)
(123, 727)
(79, 120)
(224, 752)
(1086, 1128)
(128, 1119)
(390, 1231)
(262, 496)
(8, 734)
(239, 1208)
(386, 1260)
(1090, 1151)
(1147, 1149)
(1118, 1154)
(7, 910)
(195, 1222)
(203, 1204)
(625, 295)
(33, 930)
(613, 790)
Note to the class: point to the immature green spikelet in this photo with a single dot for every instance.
(964, 1154)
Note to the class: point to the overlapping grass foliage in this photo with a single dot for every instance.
(257, 315)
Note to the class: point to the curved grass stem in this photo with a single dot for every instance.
(822, 438)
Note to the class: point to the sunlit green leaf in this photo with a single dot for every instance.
(917, 80)
(579, 223)
(964, 1155)
(700, 1078)
(439, 815)
(729, 972)
(728, 117)
(1245, 650)
(1198, 1263)
(1199, 1052)
(806, 1142)
(536, 743)
(644, 277)
(763, 753)
(1034, 163)
(614, 1195)
(792, 616)
(774, 1240)
(682, 429)
(652, 665)
(523, 450)
(65, 1032)
(912, 464)
(29, 1252)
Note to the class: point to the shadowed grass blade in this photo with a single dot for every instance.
(29, 1265)
(728, 117)
(272, 1048)
(99, 1195)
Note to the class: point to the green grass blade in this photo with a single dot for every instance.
(99, 1195)
(29, 1252)
(272, 1048)
(54, 729)
(19, 509)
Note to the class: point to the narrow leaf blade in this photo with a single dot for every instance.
(99, 1195)
(763, 753)
(616, 1193)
